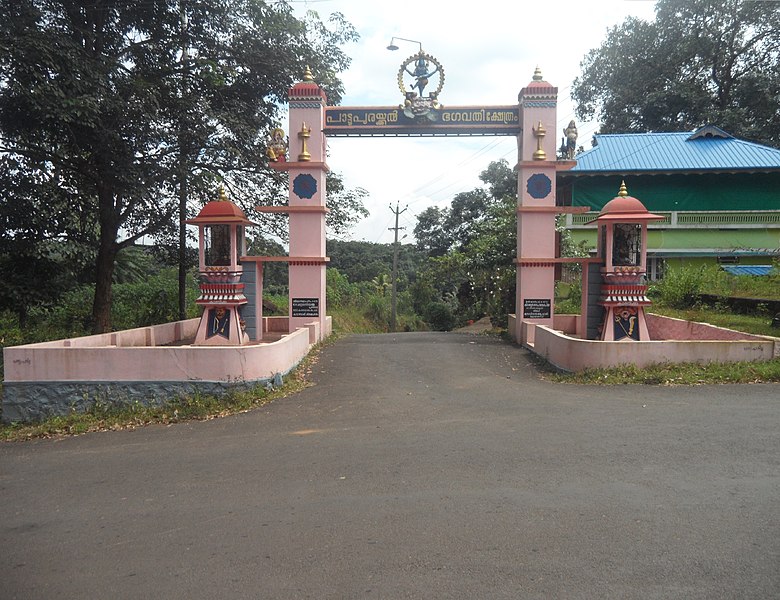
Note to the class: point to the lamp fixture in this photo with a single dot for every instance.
(393, 46)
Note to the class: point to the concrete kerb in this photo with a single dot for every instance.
(27, 402)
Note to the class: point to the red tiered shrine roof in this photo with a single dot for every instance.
(626, 208)
(220, 211)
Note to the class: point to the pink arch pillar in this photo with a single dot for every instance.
(536, 210)
(307, 204)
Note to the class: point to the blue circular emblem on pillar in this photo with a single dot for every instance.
(304, 186)
(539, 186)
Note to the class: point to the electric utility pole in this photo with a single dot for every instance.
(396, 212)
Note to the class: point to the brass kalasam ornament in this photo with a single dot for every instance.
(539, 133)
(304, 134)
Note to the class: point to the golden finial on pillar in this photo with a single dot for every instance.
(304, 134)
(307, 76)
(539, 133)
(538, 74)
(623, 190)
(222, 196)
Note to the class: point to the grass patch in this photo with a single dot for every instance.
(355, 319)
(681, 287)
(675, 374)
(201, 407)
(756, 324)
(351, 319)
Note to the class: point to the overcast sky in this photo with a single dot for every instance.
(489, 50)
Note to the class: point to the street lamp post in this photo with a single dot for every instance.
(393, 46)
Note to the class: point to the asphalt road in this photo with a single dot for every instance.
(420, 465)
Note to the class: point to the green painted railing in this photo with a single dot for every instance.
(729, 218)
(686, 219)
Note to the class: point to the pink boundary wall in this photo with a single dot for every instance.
(686, 341)
(139, 355)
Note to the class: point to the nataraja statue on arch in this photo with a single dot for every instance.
(421, 67)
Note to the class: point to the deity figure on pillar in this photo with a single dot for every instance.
(569, 145)
(277, 146)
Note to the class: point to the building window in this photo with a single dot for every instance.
(728, 260)
(656, 268)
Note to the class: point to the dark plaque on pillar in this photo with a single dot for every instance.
(305, 307)
(537, 308)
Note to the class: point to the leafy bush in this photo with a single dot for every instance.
(148, 302)
(680, 288)
(378, 309)
(439, 316)
(280, 301)
(341, 292)
(411, 322)
(69, 318)
(568, 303)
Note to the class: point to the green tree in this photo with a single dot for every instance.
(118, 103)
(432, 233)
(44, 241)
(365, 261)
(275, 274)
(491, 271)
(439, 230)
(471, 246)
(700, 61)
(345, 204)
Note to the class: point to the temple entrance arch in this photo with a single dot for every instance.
(311, 122)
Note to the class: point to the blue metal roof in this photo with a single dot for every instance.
(757, 270)
(707, 149)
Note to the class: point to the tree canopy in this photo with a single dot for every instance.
(698, 62)
(102, 103)
(471, 247)
(439, 230)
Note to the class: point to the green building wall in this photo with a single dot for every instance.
(689, 241)
(686, 192)
(753, 238)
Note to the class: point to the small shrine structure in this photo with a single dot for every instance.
(221, 244)
(622, 248)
